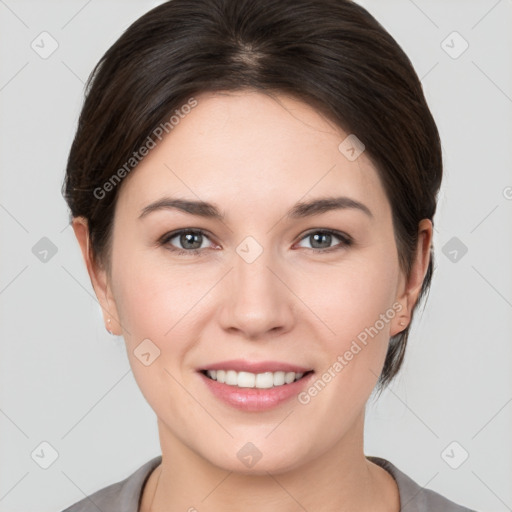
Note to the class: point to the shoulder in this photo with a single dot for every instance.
(123, 495)
(413, 497)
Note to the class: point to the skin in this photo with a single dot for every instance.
(255, 156)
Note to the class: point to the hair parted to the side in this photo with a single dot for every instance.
(331, 54)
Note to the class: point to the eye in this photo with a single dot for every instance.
(322, 239)
(193, 241)
(190, 240)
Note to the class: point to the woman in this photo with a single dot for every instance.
(253, 186)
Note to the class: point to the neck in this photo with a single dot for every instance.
(340, 480)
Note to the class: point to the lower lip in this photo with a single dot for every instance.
(254, 399)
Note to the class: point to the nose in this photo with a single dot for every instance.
(257, 303)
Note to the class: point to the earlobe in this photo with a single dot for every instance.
(401, 320)
(98, 276)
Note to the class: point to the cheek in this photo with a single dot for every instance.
(357, 305)
(353, 298)
(164, 302)
(151, 294)
(155, 308)
(154, 303)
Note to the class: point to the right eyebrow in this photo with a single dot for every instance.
(200, 208)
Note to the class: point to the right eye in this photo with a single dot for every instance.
(190, 240)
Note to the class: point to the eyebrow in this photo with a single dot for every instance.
(299, 210)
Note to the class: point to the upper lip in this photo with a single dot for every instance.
(240, 365)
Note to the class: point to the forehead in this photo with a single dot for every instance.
(249, 150)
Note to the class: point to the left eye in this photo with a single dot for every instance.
(322, 239)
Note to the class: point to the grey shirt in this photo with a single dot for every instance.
(125, 496)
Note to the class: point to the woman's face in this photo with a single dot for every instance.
(276, 284)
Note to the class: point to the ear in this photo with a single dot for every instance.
(99, 277)
(409, 289)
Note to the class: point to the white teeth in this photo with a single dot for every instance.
(245, 380)
(278, 378)
(231, 378)
(289, 377)
(252, 380)
(264, 380)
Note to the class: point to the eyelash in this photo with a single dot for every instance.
(346, 241)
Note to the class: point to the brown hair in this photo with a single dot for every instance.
(331, 54)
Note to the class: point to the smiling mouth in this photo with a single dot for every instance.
(263, 380)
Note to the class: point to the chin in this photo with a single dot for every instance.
(258, 457)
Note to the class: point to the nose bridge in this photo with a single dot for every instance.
(256, 300)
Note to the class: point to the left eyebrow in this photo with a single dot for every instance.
(326, 204)
(299, 210)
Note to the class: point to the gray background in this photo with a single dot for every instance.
(66, 382)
